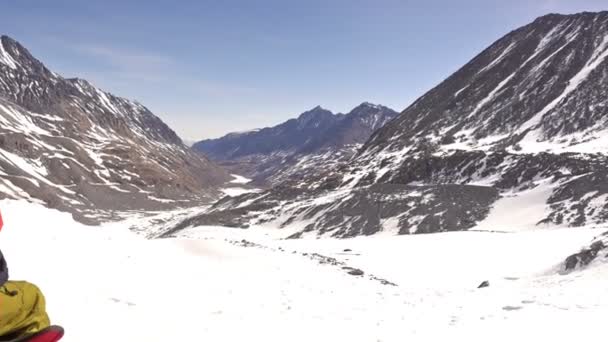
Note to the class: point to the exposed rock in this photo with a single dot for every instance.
(354, 271)
(585, 256)
(483, 284)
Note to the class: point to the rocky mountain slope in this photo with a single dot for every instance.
(317, 141)
(74, 147)
(515, 139)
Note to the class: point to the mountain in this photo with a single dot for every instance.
(316, 141)
(72, 146)
(515, 139)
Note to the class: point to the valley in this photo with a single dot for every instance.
(480, 211)
(277, 289)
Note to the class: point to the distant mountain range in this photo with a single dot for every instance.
(72, 146)
(515, 139)
(312, 143)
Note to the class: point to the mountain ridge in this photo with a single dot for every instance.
(272, 154)
(522, 125)
(72, 146)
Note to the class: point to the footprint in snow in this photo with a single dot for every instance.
(511, 308)
(116, 300)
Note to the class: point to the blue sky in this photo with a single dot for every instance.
(212, 67)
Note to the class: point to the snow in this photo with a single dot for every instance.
(105, 101)
(6, 58)
(588, 141)
(240, 180)
(20, 122)
(7, 187)
(517, 211)
(569, 39)
(204, 286)
(157, 199)
(371, 105)
(47, 117)
(461, 90)
(596, 59)
(491, 95)
(498, 59)
(545, 41)
(237, 191)
(391, 225)
(42, 132)
(29, 166)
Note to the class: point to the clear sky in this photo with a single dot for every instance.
(212, 67)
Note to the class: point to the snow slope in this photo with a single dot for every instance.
(219, 284)
(240, 180)
(237, 187)
(518, 210)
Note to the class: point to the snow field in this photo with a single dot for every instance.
(204, 286)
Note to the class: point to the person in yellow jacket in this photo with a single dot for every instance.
(22, 306)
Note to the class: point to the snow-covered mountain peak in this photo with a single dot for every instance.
(16, 57)
(517, 92)
(314, 115)
(76, 147)
(83, 85)
(6, 57)
(370, 105)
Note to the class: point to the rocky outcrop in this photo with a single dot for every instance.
(599, 248)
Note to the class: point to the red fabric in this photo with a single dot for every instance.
(51, 335)
(1, 222)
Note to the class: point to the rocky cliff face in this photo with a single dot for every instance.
(515, 139)
(74, 147)
(313, 143)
